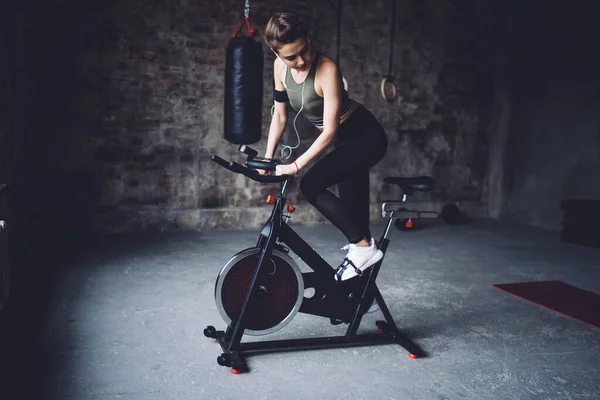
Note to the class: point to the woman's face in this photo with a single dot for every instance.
(296, 55)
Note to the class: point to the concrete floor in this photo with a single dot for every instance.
(127, 320)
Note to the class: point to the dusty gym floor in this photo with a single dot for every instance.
(126, 322)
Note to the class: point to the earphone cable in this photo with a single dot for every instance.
(284, 147)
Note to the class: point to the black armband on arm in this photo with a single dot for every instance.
(280, 96)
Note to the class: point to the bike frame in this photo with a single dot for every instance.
(345, 301)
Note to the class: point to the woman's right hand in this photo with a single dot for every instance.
(264, 171)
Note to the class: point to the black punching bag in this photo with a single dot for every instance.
(243, 90)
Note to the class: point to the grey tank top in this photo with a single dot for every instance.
(304, 97)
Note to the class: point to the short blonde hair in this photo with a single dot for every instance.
(284, 28)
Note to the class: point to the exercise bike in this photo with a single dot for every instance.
(261, 289)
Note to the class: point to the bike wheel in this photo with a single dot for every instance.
(278, 296)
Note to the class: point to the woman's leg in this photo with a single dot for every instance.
(338, 166)
(362, 143)
(355, 194)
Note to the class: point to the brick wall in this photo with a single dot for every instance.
(139, 104)
(442, 65)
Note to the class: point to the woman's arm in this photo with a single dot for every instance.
(280, 114)
(327, 78)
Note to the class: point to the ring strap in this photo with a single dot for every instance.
(389, 79)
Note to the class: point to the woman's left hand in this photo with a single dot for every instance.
(285, 169)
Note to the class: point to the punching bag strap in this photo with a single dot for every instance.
(246, 20)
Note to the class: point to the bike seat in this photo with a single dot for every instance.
(412, 184)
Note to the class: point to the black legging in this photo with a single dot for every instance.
(360, 143)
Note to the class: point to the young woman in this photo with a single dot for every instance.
(312, 84)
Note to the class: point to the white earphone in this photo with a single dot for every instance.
(285, 147)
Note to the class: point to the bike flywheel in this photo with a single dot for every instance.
(276, 300)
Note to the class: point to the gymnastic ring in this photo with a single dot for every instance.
(345, 83)
(394, 89)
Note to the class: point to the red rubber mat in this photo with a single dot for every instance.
(560, 297)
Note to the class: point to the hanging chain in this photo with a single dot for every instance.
(246, 21)
(247, 9)
(339, 30)
(392, 37)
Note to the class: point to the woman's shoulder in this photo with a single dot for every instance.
(326, 64)
(278, 68)
(278, 65)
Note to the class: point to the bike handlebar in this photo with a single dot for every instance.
(249, 172)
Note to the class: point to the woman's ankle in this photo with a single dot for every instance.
(363, 243)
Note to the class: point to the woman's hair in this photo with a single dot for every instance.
(284, 28)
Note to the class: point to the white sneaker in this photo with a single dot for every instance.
(357, 260)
